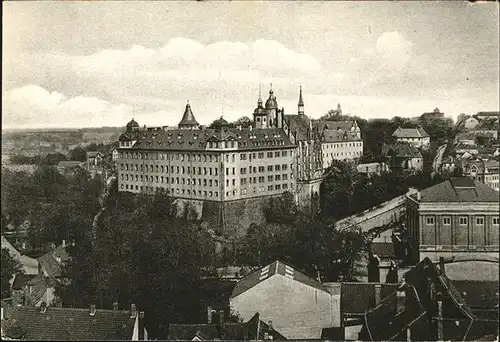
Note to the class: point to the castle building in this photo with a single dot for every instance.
(223, 164)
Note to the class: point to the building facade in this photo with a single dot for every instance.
(415, 136)
(456, 217)
(216, 164)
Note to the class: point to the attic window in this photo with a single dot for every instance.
(264, 273)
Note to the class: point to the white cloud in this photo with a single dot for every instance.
(393, 50)
(33, 106)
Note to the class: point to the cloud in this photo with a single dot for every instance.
(32, 106)
(393, 51)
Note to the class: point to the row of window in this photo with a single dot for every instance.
(255, 169)
(201, 157)
(463, 220)
(341, 154)
(341, 145)
(173, 169)
(167, 180)
(261, 179)
(200, 193)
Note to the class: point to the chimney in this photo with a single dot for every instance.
(378, 294)
(141, 325)
(270, 324)
(133, 311)
(63, 243)
(92, 309)
(441, 265)
(419, 196)
(250, 128)
(43, 307)
(115, 306)
(440, 321)
(401, 300)
(24, 245)
(209, 314)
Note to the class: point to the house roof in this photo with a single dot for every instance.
(385, 323)
(332, 136)
(227, 331)
(50, 264)
(69, 163)
(458, 190)
(417, 132)
(29, 265)
(277, 267)
(68, 324)
(401, 150)
(93, 154)
(343, 125)
(492, 114)
(20, 279)
(182, 139)
(299, 125)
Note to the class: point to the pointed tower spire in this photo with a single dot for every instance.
(301, 103)
(259, 101)
(188, 120)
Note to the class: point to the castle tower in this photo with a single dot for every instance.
(260, 114)
(272, 109)
(301, 103)
(188, 120)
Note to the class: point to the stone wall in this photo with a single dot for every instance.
(230, 218)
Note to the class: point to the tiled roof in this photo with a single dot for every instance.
(344, 125)
(458, 190)
(50, 264)
(70, 163)
(332, 136)
(93, 154)
(401, 150)
(277, 267)
(188, 118)
(417, 132)
(68, 324)
(384, 323)
(227, 331)
(189, 140)
(20, 280)
(298, 124)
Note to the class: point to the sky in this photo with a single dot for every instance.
(92, 64)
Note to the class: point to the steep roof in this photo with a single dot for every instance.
(29, 265)
(417, 132)
(68, 324)
(401, 150)
(253, 329)
(277, 267)
(458, 190)
(49, 261)
(298, 124)
(195, 140)
(188, 118)
(341, 125)
(333, 136)
(93, 154)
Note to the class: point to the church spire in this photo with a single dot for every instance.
(259, 101)
(301, 103)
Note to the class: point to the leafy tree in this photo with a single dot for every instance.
(53, 158)
(10, 266)
(77, 154)
(282, 209)
(337, 189)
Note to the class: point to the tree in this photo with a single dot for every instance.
(78, 154)
(337, 189)
(244, 122)
(282, 209)
(10, 266)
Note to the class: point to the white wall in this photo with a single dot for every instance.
(298, 311)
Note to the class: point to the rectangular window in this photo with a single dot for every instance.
(227, 171)
(270, 168)
(480, 221)
(277, 177)
(243, 170)
(277, 167)
(269, 178)
(234, 171)
(494, 221)
(463, 220)
(430, 220)
(277, 154)
(285, 186)
(243, 156)
(270, 188)
(278, 187)
(446, 220)
(261, 169)
(284, 154)
(234, 182)
(269, 154)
